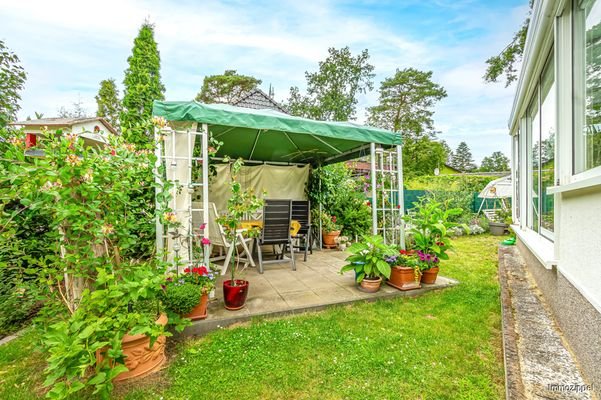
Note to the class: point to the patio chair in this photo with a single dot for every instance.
(276, 231)
(218, 237)
(301, 212)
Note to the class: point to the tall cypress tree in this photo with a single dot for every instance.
(109, 105)
(142, 86)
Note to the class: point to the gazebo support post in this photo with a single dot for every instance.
(401, 194)
(374, 206)
(205, 187)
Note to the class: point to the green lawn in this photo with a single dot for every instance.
(443, 345)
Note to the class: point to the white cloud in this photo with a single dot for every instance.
(68, 46)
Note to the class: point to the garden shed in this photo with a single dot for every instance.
(279, 150)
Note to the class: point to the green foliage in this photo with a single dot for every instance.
(457, 182)
(92, 290)
(368, 258)
(332, 91)
(226, 88)
(142, 87)
(181, 298)
(497, 162)
(12, 80)
(240, 203)
(340, 196)
(422, 155)
(406, 102)
(109, 105)
(429, 226)
(461, 324)
(506, 61)
(463, 159)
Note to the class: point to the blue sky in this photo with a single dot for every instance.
(67, 47)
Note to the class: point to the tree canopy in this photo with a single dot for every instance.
(332, 91)
(505, 62)
(226, 88)
(497, 162)
(12, 81)
(406, 102)
(109, 105)
(142, 86)
(463, 159)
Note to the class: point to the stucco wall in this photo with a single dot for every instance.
(579, 245)
(579, 321)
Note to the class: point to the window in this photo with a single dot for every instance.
(587, 84)
(541, 117)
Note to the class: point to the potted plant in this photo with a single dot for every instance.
(342, 242)
(368, 260)
(501, 221)
(187, 294)
(428, 265)
(405, 273)
(430, 228)
(330, 230)
(240, 203)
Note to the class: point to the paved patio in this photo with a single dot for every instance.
(316, 284)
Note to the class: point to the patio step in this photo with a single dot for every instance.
(538, 363)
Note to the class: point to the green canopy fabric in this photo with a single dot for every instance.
(269, 135)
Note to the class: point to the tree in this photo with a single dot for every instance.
(142, 87)
(505, 62)
(421, 156)
(462, 159)
(332, 91)
(406, 102)
(225, 88)
(12, 80)
(78, 111)
(107, 99)
(497, 162)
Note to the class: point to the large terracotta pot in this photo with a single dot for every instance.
(370, 285)
(234, 297)
(200, 310)
(329, 238)
(403, 278)
(429, 276)
(140, 358)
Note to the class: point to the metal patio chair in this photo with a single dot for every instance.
(277, 215)
(301, 212)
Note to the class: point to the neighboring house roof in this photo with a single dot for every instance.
(64, 122)
(259, 100)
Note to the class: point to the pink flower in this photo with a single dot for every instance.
(206, 241)
(202, 226)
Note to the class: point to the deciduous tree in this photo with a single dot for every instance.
(12, 80)
(497, 162)
(332, 91)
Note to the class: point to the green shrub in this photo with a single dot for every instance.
(181, 298)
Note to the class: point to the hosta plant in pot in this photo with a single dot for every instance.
(368, 260)
(240, 203)
(405, 273)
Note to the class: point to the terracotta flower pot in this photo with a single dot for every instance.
(140, 358)
(200, 310)
(403, 278)
(429, 276)
(329, 238)
(234, 297)
(370, 285)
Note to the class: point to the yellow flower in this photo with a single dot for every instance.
(159, 122)
(170, 217)
(72, 159)
(107, 229)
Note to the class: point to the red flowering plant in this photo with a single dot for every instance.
(200, 276)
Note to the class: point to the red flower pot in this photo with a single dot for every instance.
(234, 297)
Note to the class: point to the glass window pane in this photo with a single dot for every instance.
(587, 85)
(547, 144)
(533, 116)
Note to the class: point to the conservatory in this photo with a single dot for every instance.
(279, 151)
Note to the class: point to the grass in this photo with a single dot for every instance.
(442, 345)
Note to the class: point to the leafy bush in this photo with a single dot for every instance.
(181, 298)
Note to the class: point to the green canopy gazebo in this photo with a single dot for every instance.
(272, 137)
